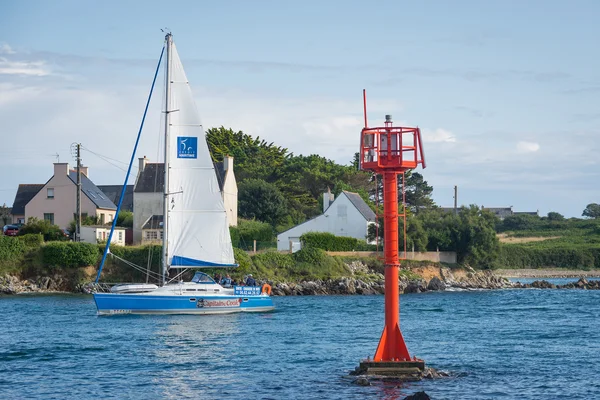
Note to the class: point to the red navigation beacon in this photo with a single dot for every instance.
(389, 151)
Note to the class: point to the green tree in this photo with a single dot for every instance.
(519, 222)
(44, 227)
(254, 158)
(261, 200)
(5, 217)
(554, 216)
(418, 192)
(592, 211)
(125, 219)
(475, 237)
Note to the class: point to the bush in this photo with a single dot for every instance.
(243, 259)
(247, 231)
(11, 250)
(125, 219)
(330, 242)
(541, 256)
(31, 240)
(43, 227)
(69, 254)
(314, 263)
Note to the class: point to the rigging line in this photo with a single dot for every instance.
(107, 160)
(135, 266)
(137, 140)
(100, 155)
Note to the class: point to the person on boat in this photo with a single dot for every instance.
(226, 281)
(250, 281)
(217, 278)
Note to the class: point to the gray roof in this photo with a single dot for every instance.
(113, 192)
(152, 178)
(154, 222)
(92, 192)
(25, 193)
(361, 206)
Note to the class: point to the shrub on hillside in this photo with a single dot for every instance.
(32, 239)
(314, 263)
(247, 231)
(11, 249)
(243, 260)
(547, 255)
(330, 242)
(69, 254)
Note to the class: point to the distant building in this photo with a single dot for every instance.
(348, 215)
(96, 233)
(152, 230)
(56, 200)
(148, 195)
(500, 212)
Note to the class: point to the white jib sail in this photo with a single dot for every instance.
(197, 226)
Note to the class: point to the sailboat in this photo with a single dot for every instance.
(195, 227)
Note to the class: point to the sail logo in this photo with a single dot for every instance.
(187, 147)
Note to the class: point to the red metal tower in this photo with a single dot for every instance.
(389, 151)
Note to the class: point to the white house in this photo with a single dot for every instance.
(148, 196)
(97, 233)
(348, 215)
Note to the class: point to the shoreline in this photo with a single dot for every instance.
(547, 273)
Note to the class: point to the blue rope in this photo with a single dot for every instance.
(112, 229)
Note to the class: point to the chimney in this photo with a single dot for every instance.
(327, 199)
(142, 164)
(227, 163)
(84, 170)
(61, 169)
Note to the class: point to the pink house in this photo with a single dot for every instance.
(56, 200)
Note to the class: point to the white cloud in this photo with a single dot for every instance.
(34, 68)
(6, 49)
(438, 135)
(527, 147)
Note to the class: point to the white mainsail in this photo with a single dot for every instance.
(197, 227)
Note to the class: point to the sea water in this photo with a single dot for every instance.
(505, 344)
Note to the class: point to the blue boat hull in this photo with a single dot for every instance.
(117, 303)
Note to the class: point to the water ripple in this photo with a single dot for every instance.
(525, 344)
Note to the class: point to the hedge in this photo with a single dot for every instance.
(247, 231)
(11, 249)
(69, 254)
(330, 242)
(32, 240)
(572, 257)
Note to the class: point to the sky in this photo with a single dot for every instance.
(506, 93)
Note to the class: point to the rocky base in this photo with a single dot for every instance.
(363, 378)
(582, 283)
(362, 282)
(10, 284)
(376, 285)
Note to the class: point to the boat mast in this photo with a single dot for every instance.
(165, 267)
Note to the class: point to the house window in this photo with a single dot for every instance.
(101, 219)
(49, 217)
(151, 235)
(20, 220)
(50, 193)
(120, 236)
(161, 235)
